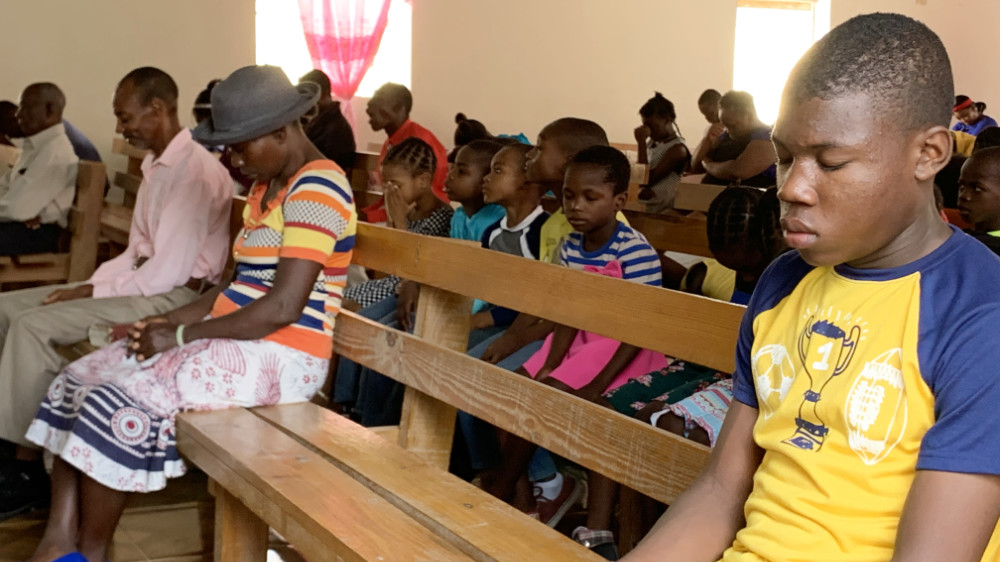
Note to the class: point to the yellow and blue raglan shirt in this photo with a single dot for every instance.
(861, 378)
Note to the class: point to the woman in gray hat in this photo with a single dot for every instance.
(265, 338)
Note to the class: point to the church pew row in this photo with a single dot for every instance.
(320, 479)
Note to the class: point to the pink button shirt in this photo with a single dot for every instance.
(180, 224)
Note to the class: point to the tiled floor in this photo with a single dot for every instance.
(171, 526)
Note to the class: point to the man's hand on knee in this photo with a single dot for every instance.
(81, 292)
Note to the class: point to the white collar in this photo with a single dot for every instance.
(42, 137)
(523, 224)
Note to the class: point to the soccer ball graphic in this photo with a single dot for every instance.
(773, 373)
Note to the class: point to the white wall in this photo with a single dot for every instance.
(86, 47)
(516, 65)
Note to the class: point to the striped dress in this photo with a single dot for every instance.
(112, 417)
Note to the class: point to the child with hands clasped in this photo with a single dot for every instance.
(407, 177)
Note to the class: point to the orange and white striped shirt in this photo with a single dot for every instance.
(311, 218)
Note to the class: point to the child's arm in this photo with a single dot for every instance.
(705, 146)
(758, 156)
(408, 293)
(948, 516)
(641, 134)
(562, 338)
(702, 523)
(524, 330)
(621, 358)
(675, 160)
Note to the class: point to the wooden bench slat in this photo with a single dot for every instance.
(121, 146)
(57, 260)
(654, 462)
(116, 221)
(325, 513)
(678, 324)
(696, 196)
(128, 182)
(671, 233)
(473, 521)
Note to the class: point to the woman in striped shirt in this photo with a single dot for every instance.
(265, 338)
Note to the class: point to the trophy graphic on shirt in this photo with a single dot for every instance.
(825, 351)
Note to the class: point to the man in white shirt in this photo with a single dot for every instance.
(37, 193)
(178, 245)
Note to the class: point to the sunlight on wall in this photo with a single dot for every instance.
(769, 41)
(280, 42)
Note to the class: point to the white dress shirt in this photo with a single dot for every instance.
(42, 183)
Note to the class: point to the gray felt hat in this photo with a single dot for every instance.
(254, 101)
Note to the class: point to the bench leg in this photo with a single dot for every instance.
(240, 536)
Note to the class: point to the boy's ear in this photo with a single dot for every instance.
(620, 199)
(935, 146)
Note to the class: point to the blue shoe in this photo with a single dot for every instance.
(71, 557)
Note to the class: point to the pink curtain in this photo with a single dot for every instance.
(343, 37)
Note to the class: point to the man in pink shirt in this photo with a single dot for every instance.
(178, 246)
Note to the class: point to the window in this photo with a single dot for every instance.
(771, 36)
(280, 42)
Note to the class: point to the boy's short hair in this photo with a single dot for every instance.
(617, 170)
(150, 83)
(709, 96)
(573, 135)
(398, 93)
(895, 60)
(738, 101)
(318, 77)
(987, 138)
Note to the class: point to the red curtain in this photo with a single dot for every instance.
(343, 37)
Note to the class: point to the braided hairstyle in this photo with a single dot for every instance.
(414, 156)
(659, 106)
(770, 236)
(745, 221)
(732, 219)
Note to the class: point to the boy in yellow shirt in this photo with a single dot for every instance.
(866, 384)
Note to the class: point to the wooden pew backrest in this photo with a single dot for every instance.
(79, 262)
(696, 196)
(680, 325)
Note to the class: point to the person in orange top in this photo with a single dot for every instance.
(265, 338)
(389, 110)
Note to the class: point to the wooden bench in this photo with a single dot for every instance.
(696, 196)
(79, 259)
(363, 175)
(116, 219)
(317, 478)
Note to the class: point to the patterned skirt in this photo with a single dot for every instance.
(112, 417)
